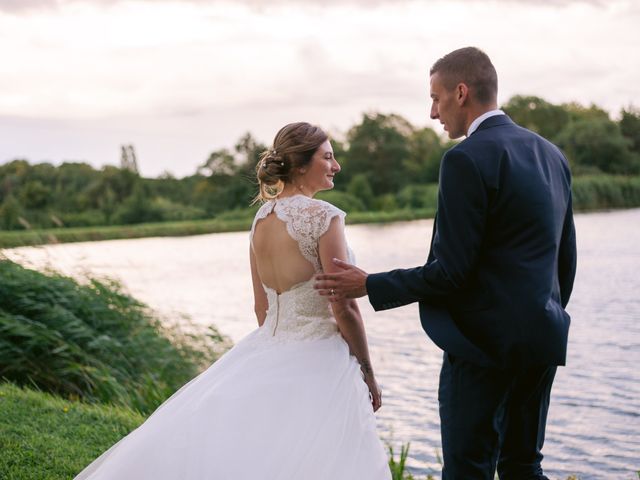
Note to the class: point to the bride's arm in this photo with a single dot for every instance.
(260, 302)
(332, 245)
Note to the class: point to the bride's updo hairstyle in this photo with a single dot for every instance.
(292, 149)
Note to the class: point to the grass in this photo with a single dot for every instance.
(17, 238)
(45, 437)
(93, 341)
(398, 467)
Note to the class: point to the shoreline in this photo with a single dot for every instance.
(33, 238)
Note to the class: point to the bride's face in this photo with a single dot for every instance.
(320, 171)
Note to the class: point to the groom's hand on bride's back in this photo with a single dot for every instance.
(349, 282)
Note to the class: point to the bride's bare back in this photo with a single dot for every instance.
(278, 259)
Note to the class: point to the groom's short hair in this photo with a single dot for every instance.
(470, 66)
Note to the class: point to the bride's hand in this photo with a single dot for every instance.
(375, 393)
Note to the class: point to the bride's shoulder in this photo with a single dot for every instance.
(323, 207)
(324, 213)
(311, 209)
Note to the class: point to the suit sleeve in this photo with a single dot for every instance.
(567, 256)
(458, 234)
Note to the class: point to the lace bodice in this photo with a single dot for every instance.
(300, 312)
(306, 220)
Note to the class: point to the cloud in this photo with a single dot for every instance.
(25, 6)
(16, 6)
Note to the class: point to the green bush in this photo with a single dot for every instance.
(93, 341)
(418, 196)
(605, 191)
(342, 200)
(87, 218)
(386, 203)
(360, 188)
(239, 213)
(175, 212)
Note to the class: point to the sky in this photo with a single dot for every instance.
(180, 79)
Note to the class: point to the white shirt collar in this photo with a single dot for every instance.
(476, 123)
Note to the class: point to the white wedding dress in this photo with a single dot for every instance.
(287, 402)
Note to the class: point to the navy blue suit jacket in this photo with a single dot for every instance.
(503, 252)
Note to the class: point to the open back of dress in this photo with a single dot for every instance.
(280, 264)
(284, 238)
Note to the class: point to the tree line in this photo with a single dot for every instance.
(387, 164)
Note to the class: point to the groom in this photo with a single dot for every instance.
(498, 277)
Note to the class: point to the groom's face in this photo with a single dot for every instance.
(446, 108)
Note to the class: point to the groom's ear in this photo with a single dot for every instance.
(462, 93)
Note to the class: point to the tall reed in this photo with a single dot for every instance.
(93, 341)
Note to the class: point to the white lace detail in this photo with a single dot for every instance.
(306, 220)
(299, 313)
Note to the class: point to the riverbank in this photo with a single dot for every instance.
(591, 193)
(20, 238)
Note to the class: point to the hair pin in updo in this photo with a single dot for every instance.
(277, 162)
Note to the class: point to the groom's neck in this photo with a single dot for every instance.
(474, 110)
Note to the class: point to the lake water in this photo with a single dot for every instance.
(594, 421)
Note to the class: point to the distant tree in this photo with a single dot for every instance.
(425, 152)
(343, 200)
(12, 175)
(538, 115)
(598, 143)
(166, 175)
(360, 188)
(71, 187)
(107, 203)
(245, 186)
(227, 178)
(138, 208)
(10, 211)
(630, 127)
(219, 163)
(418, 196)
(248, 151)
(579, 112)
(35, 195)
(45, 173)
(378, 148)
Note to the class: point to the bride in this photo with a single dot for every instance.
(295, 398)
